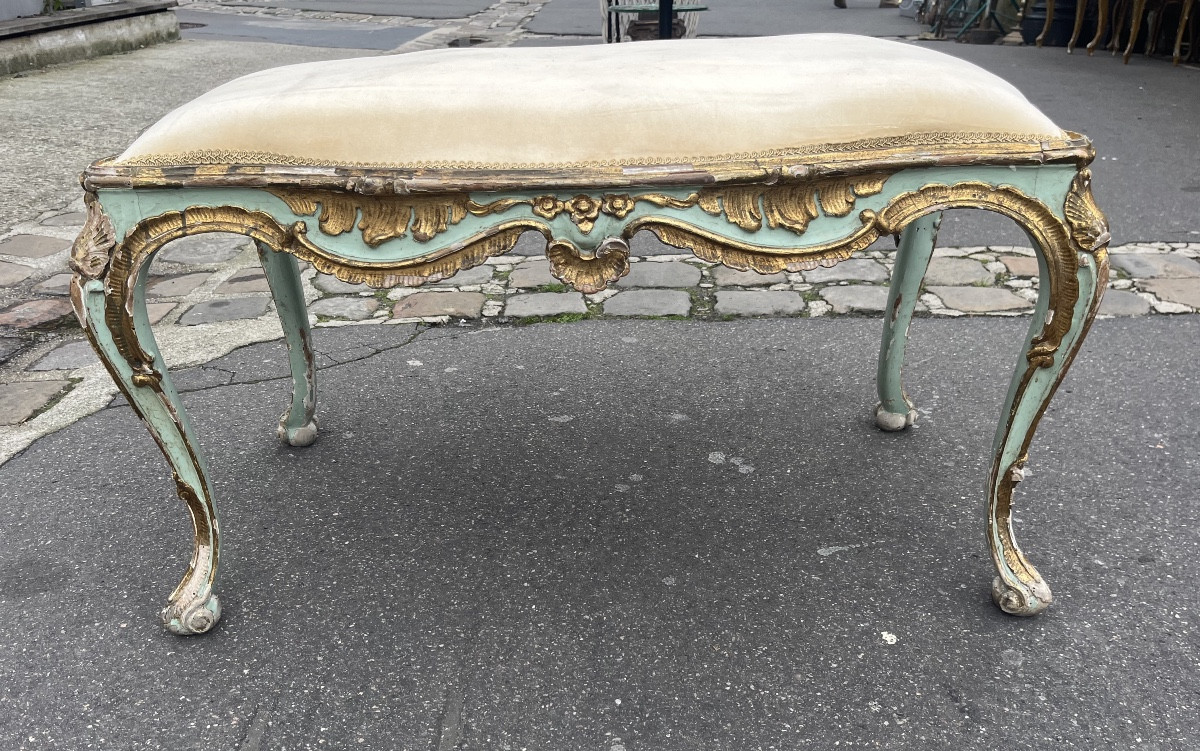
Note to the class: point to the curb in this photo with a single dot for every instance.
(30, 43)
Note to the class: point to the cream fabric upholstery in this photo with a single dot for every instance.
(649, 101)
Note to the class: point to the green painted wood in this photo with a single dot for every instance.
(194, 606)
(896, 411)
(126, 208)
(297, 426)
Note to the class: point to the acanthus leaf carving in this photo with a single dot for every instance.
(791, 206)
(383, 218)
(765, 260)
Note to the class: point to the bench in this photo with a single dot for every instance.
(768, 154)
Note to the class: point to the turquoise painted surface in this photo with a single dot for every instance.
(912, 260)
(126, 207)
(283, 277)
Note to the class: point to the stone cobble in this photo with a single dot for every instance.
(214, 279)
(645, 302)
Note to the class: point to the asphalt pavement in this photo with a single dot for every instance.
(619, 535)
(555, 536)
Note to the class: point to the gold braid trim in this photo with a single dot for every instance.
(917, 140)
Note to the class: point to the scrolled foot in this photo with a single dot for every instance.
(305, 435)
(1021, 599)
(894, 421)
(195, 618)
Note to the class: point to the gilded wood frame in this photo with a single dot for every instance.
(764, 213)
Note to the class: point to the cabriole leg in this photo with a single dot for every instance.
(297, 426)
(895, 410)
(1074, 272)
(121, 335)
(1139, 9)
(1184, 16)
(1101, 22)
(1080, 9)
(1049, 22)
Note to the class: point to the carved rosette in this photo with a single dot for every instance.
(583, 209)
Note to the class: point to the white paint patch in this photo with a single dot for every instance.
(717, 457)
(669, 581)
(450, 370)
(415, 363)
(833, 549)
(737, 460)
(620, 487)
(888, 637)
(678, 417)
(635, 478)
(182, 346)
(561, 418)
(745, 469)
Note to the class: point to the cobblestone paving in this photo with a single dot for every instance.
(208, 295)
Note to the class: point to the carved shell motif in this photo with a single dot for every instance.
(93, 248)
(589, 274)
(1089, 229)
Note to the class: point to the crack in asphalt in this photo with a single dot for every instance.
(233, 374)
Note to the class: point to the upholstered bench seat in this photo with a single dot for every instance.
(658, 102)
(767, 154)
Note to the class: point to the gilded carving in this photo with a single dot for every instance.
(747, 257)
(617, 205)
(1049, 231)
(546, 207)
(380, 218)
(1089, 228)
(93, 247)
(383, 218)
(417, 271)
(583, 209)
(589, 273)
(791, 206)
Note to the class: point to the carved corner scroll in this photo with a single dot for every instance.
(93, 247)
(1089, 228)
